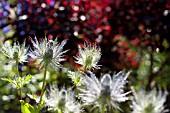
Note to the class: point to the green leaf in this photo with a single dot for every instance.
(27, 108)
(37, 99)
(10, 81)
(27, 78)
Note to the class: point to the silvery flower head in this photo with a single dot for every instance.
(62, 100)
(104, 92)
(88, 56)
(15, 53)
(48, 52)
(148, 102)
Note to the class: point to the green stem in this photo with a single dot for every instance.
(20, 90)
(43, 86)
(73, 86)
(103, 109)
(17, 72)
(17, 69)
(85, 69)
(60, 111)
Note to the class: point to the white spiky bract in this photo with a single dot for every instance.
(148, 102)
(105, 92)
(63, 100)
(48, 52)
(15, 53)
(88, 56)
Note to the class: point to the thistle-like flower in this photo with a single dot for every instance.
(151, 102)
(88, 56)
(48, 52)
(62, 100)
(15, 53)
(107, 92)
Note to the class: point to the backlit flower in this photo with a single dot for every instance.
(148, 102)
(62, 100)
(15, 53)
(48, 52)
(105, 92)
(88, 56)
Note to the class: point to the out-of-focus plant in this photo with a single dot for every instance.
(149, 102)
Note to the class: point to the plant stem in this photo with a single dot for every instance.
(20, 90)
(60, 111)
(103, 109)
(73, 86)
(17, 72)
(17, 69)
(44, 84)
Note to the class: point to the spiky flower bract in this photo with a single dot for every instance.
(148, 102)
(48, 52)
(88, 56)
(106, 92)
(62, 100)
(15, 53)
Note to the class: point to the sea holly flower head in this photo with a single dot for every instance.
(15, 53)
(88, 56)
(149, 102)
(106, 92)
(62, 100)
(48, 52)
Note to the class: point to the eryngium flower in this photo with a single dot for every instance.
(151, 102)
(106, 92)
(48, 52)
(15, 53)
(62, 100)
(88, 56)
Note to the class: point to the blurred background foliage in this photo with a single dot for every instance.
(133, 35)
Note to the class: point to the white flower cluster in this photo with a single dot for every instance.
(48, 52)
(63, 100)
(148, 102)
(104, 92)
(15, 53)
(88, 56)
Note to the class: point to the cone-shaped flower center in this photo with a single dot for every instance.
(105, 95)
(49, 52)
(61, 104)
(88, 62)
(62, 101)
(149, 109)
(16, 56)
(106, 91)
(48, 55)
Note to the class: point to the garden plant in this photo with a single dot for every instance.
(84, 56)
(87, 92)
